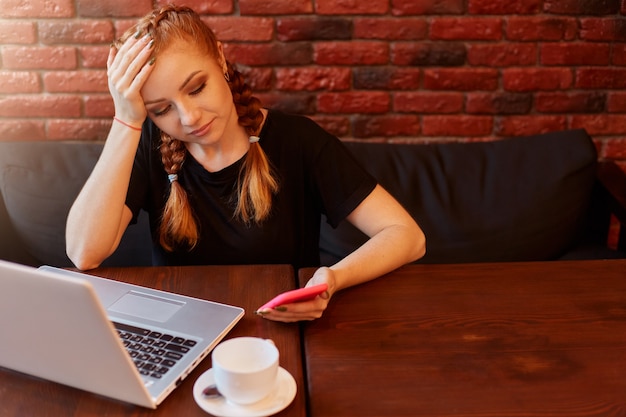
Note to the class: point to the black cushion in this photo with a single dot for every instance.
(517, 199)
(39, 182)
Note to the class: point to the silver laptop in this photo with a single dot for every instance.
(119, 340)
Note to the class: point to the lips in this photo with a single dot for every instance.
(201, 131)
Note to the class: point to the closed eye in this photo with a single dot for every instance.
(198, 90)
(161, 112)
(164, 111)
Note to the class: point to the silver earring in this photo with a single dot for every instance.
(227, 77)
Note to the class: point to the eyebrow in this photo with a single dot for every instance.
(189, 78)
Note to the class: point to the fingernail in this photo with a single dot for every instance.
(138, 34)
(150, 43)
(282, 309)
(151, 62)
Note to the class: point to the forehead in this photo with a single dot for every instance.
(172, 67)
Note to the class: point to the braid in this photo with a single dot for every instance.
(248, 106)
(257, 183)
(178, 226)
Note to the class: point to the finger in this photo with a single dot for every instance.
(128, 53)
(132, 65)
(111, 57)
(143, 66)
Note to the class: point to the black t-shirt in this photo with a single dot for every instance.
(316, 175)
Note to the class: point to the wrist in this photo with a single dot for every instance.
(130, 125)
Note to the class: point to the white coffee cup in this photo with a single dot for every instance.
(245, 369)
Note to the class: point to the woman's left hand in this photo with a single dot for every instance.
(305, 310)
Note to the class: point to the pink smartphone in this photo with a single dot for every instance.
(293, 296)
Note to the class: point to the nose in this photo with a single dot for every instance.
(189, 114)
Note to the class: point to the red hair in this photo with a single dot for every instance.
(257, 183)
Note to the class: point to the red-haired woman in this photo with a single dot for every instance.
(224, 180)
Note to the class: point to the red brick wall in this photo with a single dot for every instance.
(375, 69)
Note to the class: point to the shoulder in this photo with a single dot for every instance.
(295, 124)
(294, 131)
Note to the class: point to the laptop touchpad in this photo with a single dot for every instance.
(146, 306)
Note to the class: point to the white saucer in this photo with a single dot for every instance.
(278, 400)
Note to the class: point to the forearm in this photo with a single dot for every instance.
(95, 221)
(386, 251)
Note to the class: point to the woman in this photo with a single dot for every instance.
(224, 180)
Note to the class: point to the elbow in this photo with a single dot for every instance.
(83, 263)
(82, 259)
(419, 244)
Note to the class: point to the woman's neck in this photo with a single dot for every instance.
(231, 148)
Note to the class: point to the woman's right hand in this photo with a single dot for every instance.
(127, 70)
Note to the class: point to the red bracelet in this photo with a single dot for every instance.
(127, 125)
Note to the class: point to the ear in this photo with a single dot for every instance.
(221, 59)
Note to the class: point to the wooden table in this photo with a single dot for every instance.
(245, 286)
(514, 339)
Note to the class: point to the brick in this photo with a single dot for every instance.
(351, 7)
(504, 7)
(85, 81)
(259, 79)
(502, 54)
(578, 7)
(600, 124)
(351, 53)
(428, 102)
(210, 7)
(66, 31)
(22, 129)
(40, 106)
(460, 79)
(98, 105)
(498, 103)
(385, 78)
(249, 29)
(603, 29)
(78, 129)
(541, 28)
(313, 28)
(575, 53)
(335, 125)
(17, 32)
(603, 78)
(390, 29)
(426, 7)
(292, 102)
(615, 149)
(537, 79)
(385, 125)
(571, 102)
(313, 79)
(275, 7)
(422, 54)
(36, 9)
(113, 8)
(295, 53)
(465, 126)
(616, 102)
(16, 82)
(93, 56)
(529, 125)
(619, 54)
(353, 102)
(122, 25)
(39, 57)
(466, 28)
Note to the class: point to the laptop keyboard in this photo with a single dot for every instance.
(154, 353)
